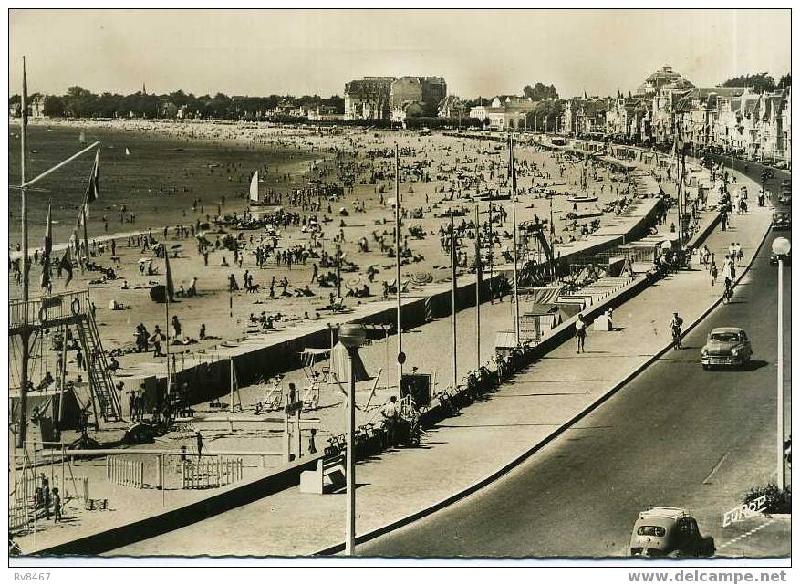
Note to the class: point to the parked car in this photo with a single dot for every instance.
(785, 198)
(726, 346)
(787, 259)
(668, 532)
(781, 220)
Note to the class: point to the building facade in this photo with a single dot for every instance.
(395, 98)
(367, 98)
(504, 113)
(733, 119)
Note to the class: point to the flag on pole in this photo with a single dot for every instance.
(84, 218)
(93, 188)
(168, 269)
(66, 264)
(48, 248)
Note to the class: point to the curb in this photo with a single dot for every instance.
(538, 446)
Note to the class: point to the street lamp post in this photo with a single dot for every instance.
(352, 336)
(780, 247)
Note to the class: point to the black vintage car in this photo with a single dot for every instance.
(781, 221)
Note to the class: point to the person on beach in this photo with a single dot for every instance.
(157, 338)
(199, 445)
(177, 328)
(56, 506)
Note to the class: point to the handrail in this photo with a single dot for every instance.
(48, 308)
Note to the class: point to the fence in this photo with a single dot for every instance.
(26, 499)
(122, 471)
(38, 312)
(211, 473)
(22, 501)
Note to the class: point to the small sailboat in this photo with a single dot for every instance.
(254, 200)
(127, 152)
(82, 137)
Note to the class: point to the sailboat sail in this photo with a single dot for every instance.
(127, 152)
(254, 188)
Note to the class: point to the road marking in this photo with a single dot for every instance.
(746, 534)
(707, 480)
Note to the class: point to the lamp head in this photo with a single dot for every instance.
(352, 335)
(781, 246)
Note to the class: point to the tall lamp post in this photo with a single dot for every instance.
(780, 247)
(352, 336)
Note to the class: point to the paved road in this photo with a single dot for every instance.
(676, 435)
(754, 170)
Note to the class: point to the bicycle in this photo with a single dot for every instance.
(727, 294)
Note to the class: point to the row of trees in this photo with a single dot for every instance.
(759, 82)
(79, 102)
(82, 103)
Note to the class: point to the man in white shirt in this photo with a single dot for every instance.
(580, 333)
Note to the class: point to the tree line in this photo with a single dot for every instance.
(759, 82)
(79, 102)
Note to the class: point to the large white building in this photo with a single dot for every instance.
(506, 113)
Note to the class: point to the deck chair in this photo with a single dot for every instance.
(274, 398)
(311, 396)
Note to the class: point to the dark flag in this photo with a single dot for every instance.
(84, 220)
(169, 285)
(66, 264)
(93, 188)
(48, 248)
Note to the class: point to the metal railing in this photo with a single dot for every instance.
(38, 312)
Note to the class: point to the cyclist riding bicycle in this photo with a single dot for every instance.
(727, 294)
(676, 325)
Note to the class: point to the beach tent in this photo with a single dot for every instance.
(340, 365)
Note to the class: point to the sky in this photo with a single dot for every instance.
(478, 52)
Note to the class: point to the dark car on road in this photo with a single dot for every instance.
(781, 221)
(668, 532)
(726, 346)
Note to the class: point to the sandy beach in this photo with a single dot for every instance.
(437, 173)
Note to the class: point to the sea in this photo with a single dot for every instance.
(158, 180)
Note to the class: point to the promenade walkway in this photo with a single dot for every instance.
(488, 436)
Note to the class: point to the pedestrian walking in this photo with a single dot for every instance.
(580, 333)
(714, 273)
(391, 414)
(675, 325)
